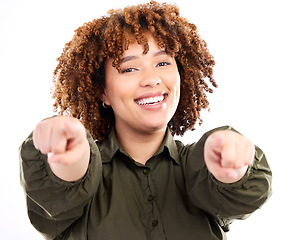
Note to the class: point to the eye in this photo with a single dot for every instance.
(128, 70)
(162, 64)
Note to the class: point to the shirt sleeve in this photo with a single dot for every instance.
(226, 202)
(54, 204)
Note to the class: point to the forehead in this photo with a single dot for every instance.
(135, 47)
(144, 46)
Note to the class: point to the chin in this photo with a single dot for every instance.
(157, 126)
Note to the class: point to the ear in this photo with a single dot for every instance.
(105, 98)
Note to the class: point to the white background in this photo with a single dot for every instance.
(249, 40)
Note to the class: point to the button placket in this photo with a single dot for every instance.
(154, 214)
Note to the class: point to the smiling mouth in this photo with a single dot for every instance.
(151, 100)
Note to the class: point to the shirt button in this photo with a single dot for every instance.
(146, 171)
(155, 223)
(151, 198)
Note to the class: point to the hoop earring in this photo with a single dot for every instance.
(105, 105)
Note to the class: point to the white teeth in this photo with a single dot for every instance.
(151, 100)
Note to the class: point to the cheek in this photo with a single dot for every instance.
(116, 88)
(120, 91)
(178, 94)
(175, 83)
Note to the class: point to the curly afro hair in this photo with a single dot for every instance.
(79, 78)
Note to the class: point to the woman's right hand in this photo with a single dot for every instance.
(64, 140)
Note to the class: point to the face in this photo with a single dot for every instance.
(144, 95)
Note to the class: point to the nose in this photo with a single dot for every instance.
(150, 79)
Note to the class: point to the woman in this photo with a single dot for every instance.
(131, 80)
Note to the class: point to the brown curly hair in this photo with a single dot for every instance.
(79, 78)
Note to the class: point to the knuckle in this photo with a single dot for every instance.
(44, 149)
(227, 162)
(239, 165)
(57, 149)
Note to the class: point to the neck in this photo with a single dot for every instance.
(141, 146)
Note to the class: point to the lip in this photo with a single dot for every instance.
(155, 106)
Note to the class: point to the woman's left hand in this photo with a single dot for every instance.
(227, 155)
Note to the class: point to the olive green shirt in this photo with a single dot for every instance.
(173, 196)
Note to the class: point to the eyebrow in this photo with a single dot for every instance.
(132, 57)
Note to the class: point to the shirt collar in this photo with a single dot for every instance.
(110, 146)
(170, 143)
